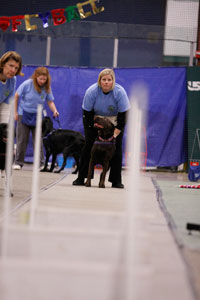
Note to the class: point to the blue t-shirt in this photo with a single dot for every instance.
(30, 98)
(106, 104)
(7, 89)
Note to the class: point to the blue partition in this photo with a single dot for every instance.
(166, 110)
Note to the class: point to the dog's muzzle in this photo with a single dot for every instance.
(96, 125)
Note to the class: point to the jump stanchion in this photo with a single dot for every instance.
(8, 191)
(35, 180)
(133, 189)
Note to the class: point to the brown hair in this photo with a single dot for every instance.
(106, 72)
(8, 56)
(38, 72)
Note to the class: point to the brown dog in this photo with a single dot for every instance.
(102, 150)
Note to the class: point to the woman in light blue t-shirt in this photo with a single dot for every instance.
(33, 91)
(10, 66)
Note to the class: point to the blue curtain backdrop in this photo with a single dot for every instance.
(165, 114)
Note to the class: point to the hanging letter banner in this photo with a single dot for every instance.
(60, 16)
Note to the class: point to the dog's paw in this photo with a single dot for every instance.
(102, 186)
(88, 184)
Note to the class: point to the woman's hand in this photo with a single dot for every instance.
(116, 132)
(56, 114)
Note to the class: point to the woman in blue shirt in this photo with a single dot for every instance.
(109, 99)
(33, 91)
(10, 66)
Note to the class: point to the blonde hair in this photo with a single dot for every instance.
(8, 56)
(38, 72)
(106, 72)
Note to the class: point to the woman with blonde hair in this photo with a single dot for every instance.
(33, 91)
(108, 99)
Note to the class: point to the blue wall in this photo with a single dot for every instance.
(165, 111)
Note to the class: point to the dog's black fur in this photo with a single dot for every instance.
(102, 150)
(56, 141)
(3, 143)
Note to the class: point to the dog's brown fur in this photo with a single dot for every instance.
(102, 150)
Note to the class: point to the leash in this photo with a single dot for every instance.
(58, 121)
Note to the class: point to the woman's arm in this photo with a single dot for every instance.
(53, 108)
(121, 122)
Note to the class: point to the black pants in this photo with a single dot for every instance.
(116, 162)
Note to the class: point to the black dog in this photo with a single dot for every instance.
(102, 150)
(56, 141)
(3, 144)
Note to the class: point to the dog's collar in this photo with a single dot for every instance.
(105, 141)
(48, 134)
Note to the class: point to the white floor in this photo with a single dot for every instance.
(86, 244)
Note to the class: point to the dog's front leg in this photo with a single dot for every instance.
(103, 175)
(46, 162)
(90, 171)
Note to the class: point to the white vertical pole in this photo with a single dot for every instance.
(191, 53)
(35, 180)
(48, 51)
(115, 53)
(138, 100)
(8, 191)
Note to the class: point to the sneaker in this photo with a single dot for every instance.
(78, 181)
(118, 185)
(17, 167)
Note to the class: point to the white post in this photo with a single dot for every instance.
(138, 101)
(191, 53)
(8, 189)
(115, 53)
(35, 180)
(48, 51)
